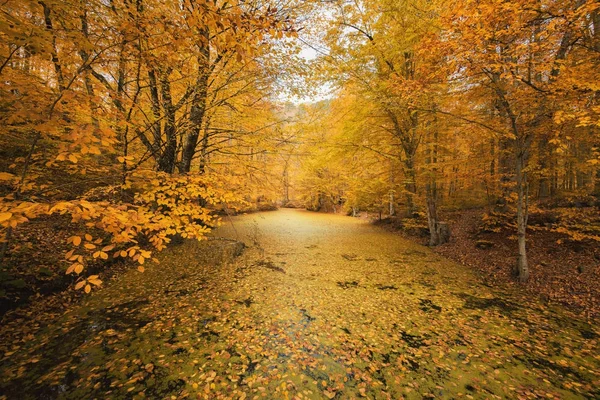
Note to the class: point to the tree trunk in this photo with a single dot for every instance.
(410, 185)
(166, 161)
(198, 109)
(432, 220)
(203, 152)
(286, 183)
(392, 211)
(522, 268)
(438, 232)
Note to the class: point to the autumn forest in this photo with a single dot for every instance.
(299, 199)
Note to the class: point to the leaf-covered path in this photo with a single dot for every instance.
(318, 306)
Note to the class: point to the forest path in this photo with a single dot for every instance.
(318, 306)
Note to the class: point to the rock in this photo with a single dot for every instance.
(443, 232)
(484, 244)
(238, 248)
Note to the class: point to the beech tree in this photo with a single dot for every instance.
(516, 52)
(480, 103)
(124, 98)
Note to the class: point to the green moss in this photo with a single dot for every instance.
(184, 328)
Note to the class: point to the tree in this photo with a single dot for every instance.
(515, 51)
(121, 96)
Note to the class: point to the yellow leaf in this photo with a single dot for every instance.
(5, 176)
(95, 281)
(88, 237)
(72, 158)
(79, 285)
(88, 288)
(78, 268)
(76, 240)
(141, 269)
(89, 246)
(5, 216)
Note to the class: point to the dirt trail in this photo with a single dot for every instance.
(318, 306)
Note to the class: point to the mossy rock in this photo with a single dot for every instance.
(484, 244)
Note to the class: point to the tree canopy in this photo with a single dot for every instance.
(144, 120)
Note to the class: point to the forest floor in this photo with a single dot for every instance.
(318, 306)
(567, 274)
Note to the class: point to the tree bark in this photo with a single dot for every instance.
(198, 109)
(166, 161)
(522, 215)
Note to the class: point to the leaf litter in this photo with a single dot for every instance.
(407, 325)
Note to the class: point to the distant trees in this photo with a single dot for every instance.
(478, 102)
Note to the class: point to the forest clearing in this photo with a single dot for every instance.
(298, 199)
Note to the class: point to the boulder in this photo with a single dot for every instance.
(484, 244)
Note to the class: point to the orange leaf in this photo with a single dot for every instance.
(95, 281)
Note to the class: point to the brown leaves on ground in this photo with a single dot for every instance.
(568, 274)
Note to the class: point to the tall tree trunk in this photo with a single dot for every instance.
(522, 143)
(286, 181)
(156, 112)
(438, 232)
(410, 185)
(54, 54)
(522, 269)
(198, 109)
(167, 159)
(203, 152)
(392, 210)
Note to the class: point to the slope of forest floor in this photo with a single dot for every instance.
(319, 306)
(34, 265)
(566, 273)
